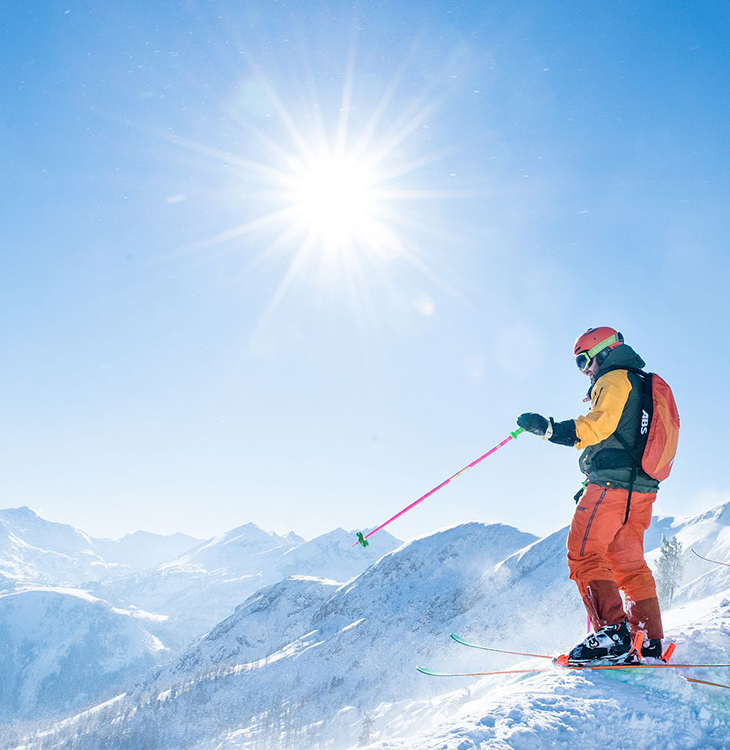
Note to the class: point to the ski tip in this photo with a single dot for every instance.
(431, 673)
(455, 637)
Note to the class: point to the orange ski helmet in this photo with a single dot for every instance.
(593, 342)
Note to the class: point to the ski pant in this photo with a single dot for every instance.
(606, 555)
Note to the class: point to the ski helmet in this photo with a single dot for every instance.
(594, 342)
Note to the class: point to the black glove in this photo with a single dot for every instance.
(562, 433)
(578, 495)
(534, 423)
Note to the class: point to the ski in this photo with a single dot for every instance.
(463, 642)
(704, 682)
(431, 673)
(666, 656)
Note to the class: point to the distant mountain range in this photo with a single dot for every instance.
(36, 551)
(143, 598)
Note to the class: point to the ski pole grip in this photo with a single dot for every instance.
(517, 433)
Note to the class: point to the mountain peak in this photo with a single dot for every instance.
(722, 513)
(23, 512)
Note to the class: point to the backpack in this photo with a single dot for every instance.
(659, 427)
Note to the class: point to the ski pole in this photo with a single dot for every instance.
(362, 539)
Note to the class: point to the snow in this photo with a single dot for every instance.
(61, 648)
(274, 615)
(33, 550)
(303, 660)
(198, 590)
(36, 551)
(612, 709)
(142, 550)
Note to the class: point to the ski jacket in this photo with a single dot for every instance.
(607, 435)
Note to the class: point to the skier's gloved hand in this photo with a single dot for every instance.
(562, 433)
(536, 424)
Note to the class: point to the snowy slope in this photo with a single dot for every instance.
(61, 649)
(708, 534)
(270, 619)
(201, 588)
(649, 710)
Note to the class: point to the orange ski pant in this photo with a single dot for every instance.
(606, 556)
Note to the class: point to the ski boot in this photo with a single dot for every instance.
(611, 644)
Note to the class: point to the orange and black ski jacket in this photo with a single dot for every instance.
(607, 435)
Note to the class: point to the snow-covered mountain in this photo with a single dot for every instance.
(236, 551)
(307, 663)
(276, 614)
(143, 550)
(53, 638)
(179, 587)
(329, 647)
(36, 551)
(61, 649)
(708, 534)
(199, 589)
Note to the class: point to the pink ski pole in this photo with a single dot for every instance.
(362, 538)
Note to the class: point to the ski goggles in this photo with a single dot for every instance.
(584, 359)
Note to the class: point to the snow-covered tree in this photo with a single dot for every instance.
(669, 570)
(366, 732)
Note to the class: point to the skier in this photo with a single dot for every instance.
(605, 543)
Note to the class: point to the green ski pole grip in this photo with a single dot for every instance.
(362, 540)
(517, 432)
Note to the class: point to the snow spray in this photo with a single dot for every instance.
(362, 539)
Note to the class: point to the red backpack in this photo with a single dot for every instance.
(659, 429)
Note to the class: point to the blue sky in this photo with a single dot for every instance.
(548, 167)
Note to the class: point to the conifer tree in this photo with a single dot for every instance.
(366, 733)
(669, 570)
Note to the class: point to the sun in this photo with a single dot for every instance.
(339, 200)
(336, 198)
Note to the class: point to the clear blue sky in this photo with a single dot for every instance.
(560, 165)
